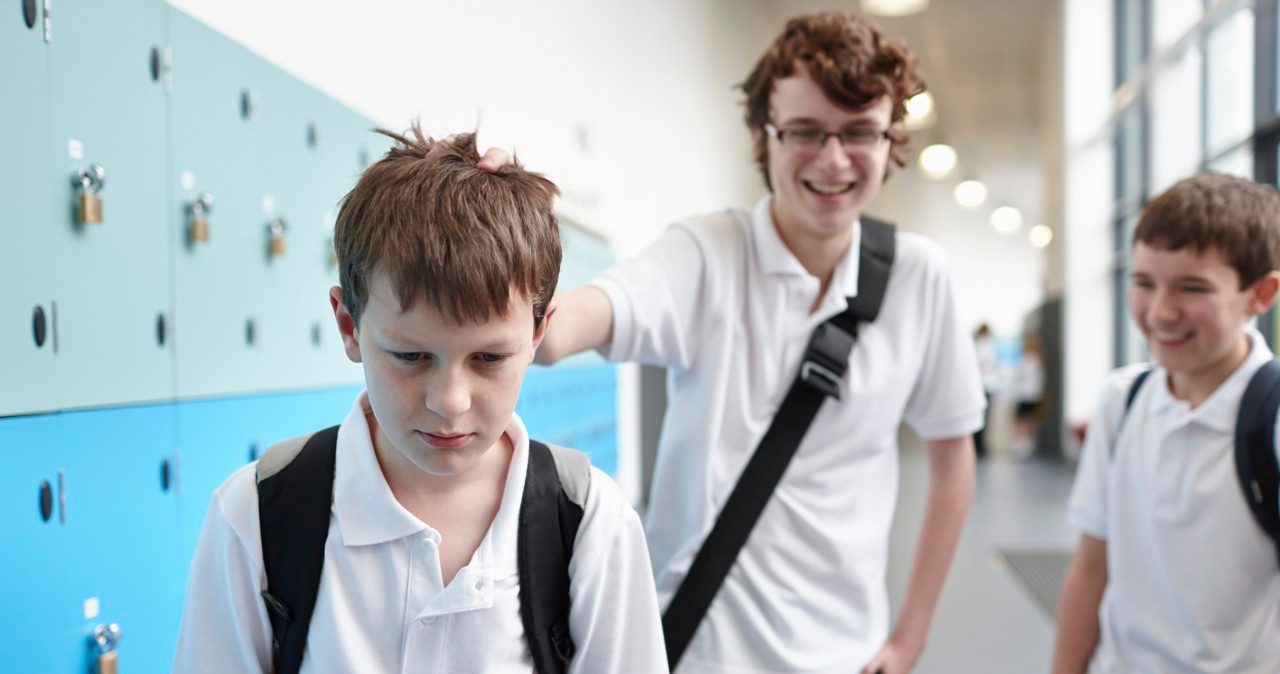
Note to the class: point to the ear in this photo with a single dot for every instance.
(347, 326)
(1262, 294)
(541, 330)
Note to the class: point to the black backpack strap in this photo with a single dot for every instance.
(825, 362)
(1128, 402)
(295, 496)
(1255, 450)
(555, 491)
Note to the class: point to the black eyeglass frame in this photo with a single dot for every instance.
(861, 138)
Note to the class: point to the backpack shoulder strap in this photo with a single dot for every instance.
(1255, 449)
(295, 494)
(555, 491)
(1128, 403)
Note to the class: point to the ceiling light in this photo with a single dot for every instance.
(970, 193)
(919, 111)
(1006, 219)
(938, 160)
(1040, 236)
(894, 7)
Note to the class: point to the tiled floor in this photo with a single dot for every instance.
(986, 621)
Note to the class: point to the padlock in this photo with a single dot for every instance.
(90, 209)
(106, 638)
(201, 207)
(90, 180)
(277, 229)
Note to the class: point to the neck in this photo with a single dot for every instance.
(818, 251)
(1196, 386)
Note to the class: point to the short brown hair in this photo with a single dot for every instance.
(442, 229)
(850, 60)
(1211, 210)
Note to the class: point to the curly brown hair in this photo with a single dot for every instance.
(443, 230)
(849, 58)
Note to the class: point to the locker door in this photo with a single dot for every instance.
(123, 527)
(217, 283)
(42, 625)
(28, 242)
(107, 91)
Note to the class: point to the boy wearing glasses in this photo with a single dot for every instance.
(728, 302)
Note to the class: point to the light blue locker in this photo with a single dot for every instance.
(29, 244)
(107, 95)
(213, 149)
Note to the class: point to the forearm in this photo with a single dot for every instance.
(951, 484)
(1078, 614)
(581, 319)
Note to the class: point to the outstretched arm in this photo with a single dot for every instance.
(578, 320)
(951, 480)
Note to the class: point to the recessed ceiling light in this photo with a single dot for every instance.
(1006, 219)
(1040, 236)
(938, 160)
(894, 7)
(970, 193)
(919, 111)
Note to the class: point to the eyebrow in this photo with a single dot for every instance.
(809, 121)
(396, 343)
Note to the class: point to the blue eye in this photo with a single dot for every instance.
(491, 358)
(411, 357)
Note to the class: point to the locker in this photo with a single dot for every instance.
(106, 80)
(28, 242)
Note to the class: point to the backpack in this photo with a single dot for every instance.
(295, 495)
(1255, 449)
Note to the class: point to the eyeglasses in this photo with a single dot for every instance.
(812, 140)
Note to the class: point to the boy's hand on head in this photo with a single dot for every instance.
(494, 159)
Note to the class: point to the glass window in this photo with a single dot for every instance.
(1237, 162)
(1130, 157)
(1171, 19)
(1130, 345)
(1229, 62)
(1175, 139)
(1131, 43)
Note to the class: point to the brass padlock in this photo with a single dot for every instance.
(201, 207)
(89, 180)
(277, 229)
(106, 638)
(90, 209)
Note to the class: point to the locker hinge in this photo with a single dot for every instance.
(48, 22)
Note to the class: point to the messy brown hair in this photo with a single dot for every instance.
(1237, 216)
(850, 60)
(443, 230)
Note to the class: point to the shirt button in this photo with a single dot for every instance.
(479, 585)
(428, 620)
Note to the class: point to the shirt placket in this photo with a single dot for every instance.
(422, 643)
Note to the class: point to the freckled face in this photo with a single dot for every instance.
(442, 392)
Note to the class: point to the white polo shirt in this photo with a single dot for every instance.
(382, 607)
(1192, 580)
(724, 304)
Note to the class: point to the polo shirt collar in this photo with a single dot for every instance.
(1219, 410)
(369, 514)
(773, 256)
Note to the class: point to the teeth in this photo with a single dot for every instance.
(830, 189)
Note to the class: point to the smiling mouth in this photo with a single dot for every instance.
(1169, 338)
(829, 189)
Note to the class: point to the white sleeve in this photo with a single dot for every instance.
(614, 616)
(655, 300)
(1087, 506)
(225, 627)
(947, 398)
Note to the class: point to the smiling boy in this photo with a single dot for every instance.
(435, 524)
(730, 304)
(1172, 574)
